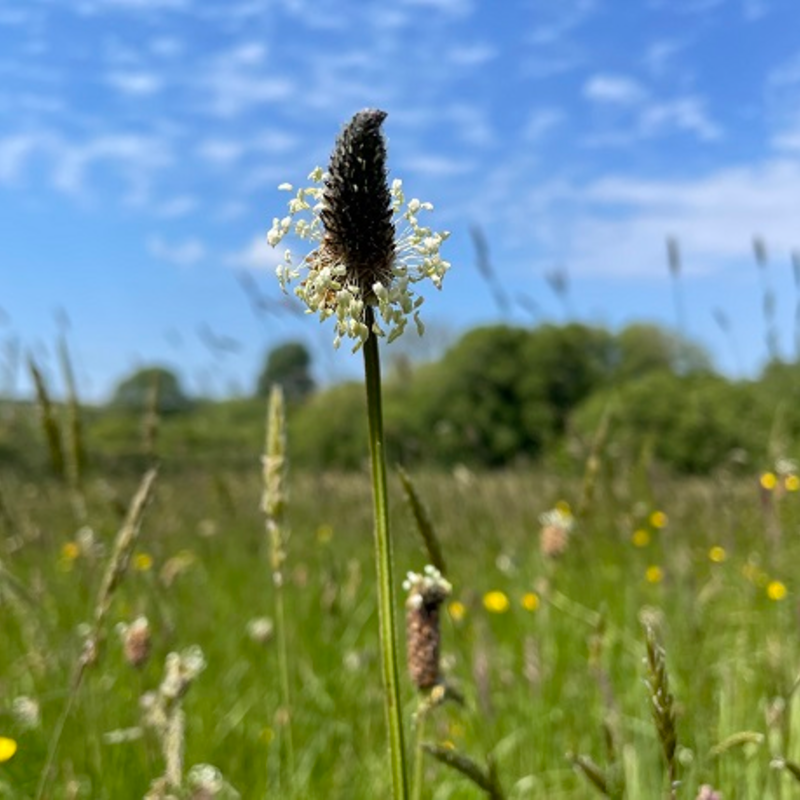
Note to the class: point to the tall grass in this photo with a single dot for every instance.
(726, 619)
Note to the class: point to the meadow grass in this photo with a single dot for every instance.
(556, 675)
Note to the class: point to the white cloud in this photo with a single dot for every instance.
(788, 138)
(248, 53)
(686, 6)
(274, 141)
(685, 113)
(135, 83)
(540, 67)
(785, 75)
(14, 154)
(236, 82)
(435, 166)
(470, 124)
(540, 122)
(182, 254)
(166, 47)
(660, 55)
(233, 209)
(99, 6)
(455, 8)
(471, 55)
(136, 157)
(256, 255)
(652, 118)
(619, 224)
(567, 15)
(615, 89)
(177, 207)
(133, 157)
(220, 152)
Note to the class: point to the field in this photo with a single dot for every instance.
(544, 638)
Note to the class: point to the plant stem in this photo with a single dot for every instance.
(283, 668)
(419, 753)
(274, 503)
(383, 554)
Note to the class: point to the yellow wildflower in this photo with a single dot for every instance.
(457, 611)
(791, 483)
(768, 481)
(564, 507)
(717, 554)
(496, 602)
(776, 590)
(70, 551)
(456, 730)
(142, 562)
(654, 574)
(658, 519)
(267, 735)
(530, 601)
(640, 538)
(7, 748)
(324, 534)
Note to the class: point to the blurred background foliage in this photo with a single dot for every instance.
(499, 396)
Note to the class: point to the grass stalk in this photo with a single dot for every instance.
(48, 419)
(419, 752)
(115, 571)
(383, 554)
(75, 458)
(274, 506)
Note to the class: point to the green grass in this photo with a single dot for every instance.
(538, 684)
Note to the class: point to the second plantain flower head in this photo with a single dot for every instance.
(371, 247)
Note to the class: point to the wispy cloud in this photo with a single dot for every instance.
(566, 16)
(256, 255)
(100, 6)
(540, 122)
(788, 135)
(15, 152)
(616, 89)
(437, 166)
(684, 114)
(135, 157)
(470, 123)
(182, 254)
(471, 55)
(139, 84)
(457, 8)
(661, 56)
(177, 207)
(220, 152)
(238, 81)
(619, 224)
(651, 116)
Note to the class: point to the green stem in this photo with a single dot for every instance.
(419, 753)
(383, 554)
(283, 669)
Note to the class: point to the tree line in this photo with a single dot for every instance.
(503, 395)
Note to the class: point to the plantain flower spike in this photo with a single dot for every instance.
(370, 246)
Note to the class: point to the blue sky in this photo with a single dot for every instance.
(142, 141)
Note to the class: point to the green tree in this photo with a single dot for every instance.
(136, 392)
(642, 347)
(562, 366)
(692, 423)
(289, 365)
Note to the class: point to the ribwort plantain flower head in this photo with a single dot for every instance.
(370, 246)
